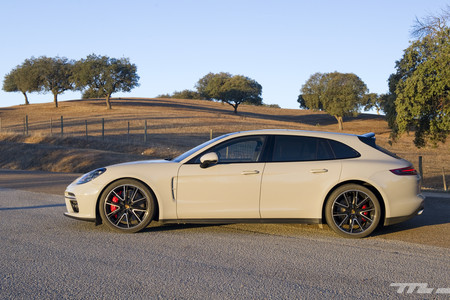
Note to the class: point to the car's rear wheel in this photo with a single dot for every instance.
(353, 211)
(127, 205)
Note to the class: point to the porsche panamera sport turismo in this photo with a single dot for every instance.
(271, 176)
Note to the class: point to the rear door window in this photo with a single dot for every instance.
(300, 148)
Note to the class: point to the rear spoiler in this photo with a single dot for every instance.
(368, 138)
(369, 135)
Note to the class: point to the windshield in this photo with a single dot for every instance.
(193, 150)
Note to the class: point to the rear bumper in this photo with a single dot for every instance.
(395, 220)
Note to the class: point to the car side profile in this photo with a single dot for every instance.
(271, 176)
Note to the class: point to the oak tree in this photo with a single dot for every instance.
(338, 94)
(23, 78)
(55, 75)
(422, 101)
(101, 76)
(233, 90)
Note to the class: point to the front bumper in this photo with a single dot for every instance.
(81, 201)
(79, 217)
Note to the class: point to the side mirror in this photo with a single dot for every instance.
(208, 159)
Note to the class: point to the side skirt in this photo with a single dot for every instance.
(234, 221)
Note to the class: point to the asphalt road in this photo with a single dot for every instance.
(45, 255)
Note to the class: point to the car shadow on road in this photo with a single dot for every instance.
(435, 213)
(158, 226)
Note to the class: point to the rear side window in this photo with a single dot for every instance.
(342, 151)
(300, 148)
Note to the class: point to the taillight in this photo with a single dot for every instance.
(404, 171)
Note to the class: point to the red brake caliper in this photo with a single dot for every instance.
(364, 213)
(115, 200)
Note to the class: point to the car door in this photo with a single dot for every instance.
(297, 177)
(229, 189)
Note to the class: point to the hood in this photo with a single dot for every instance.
(143, 162)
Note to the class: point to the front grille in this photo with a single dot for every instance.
(73, 201)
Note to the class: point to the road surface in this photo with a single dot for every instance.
(45, 255)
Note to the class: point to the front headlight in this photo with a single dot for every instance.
(91, 175)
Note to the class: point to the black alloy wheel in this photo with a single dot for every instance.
(127, 206)
(353, 211)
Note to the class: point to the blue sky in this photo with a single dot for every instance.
(279, 43)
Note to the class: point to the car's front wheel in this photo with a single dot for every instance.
(127, 205)
(353, 211)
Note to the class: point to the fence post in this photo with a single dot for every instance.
(420, 170)
(103, 129)
(62, 126)
(51, 126)
(26, 124)
(128, 132)
(0, 124)
(145, 132)
(210, 134)
(443, 179)
(85, 122)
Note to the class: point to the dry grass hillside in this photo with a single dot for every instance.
(173, 126)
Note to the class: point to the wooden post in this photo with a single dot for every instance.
(0, 124)
(443, 179)
(210, 134)
(51, 126)
(62, 126)
(103, 129)
(85, 122)
(145, 132)
(26, 124)
(420, 170)
(128, 132)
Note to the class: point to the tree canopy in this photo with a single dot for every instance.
(209, 85)
(233, 90)
(184, 94)
(422, 100)
(101, 76)
(55, 75)
(373, 100)
(24, 78)
(338, 94)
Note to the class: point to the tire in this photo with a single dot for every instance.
(353, 211)
(130, 213)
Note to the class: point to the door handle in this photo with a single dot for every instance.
(317, 171)
(252, 172)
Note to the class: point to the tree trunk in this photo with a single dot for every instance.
(235, 108)
(55, 100)
(26, 98)
(340, 122)
(108, 101)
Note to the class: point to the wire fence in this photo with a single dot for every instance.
(135, 132)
